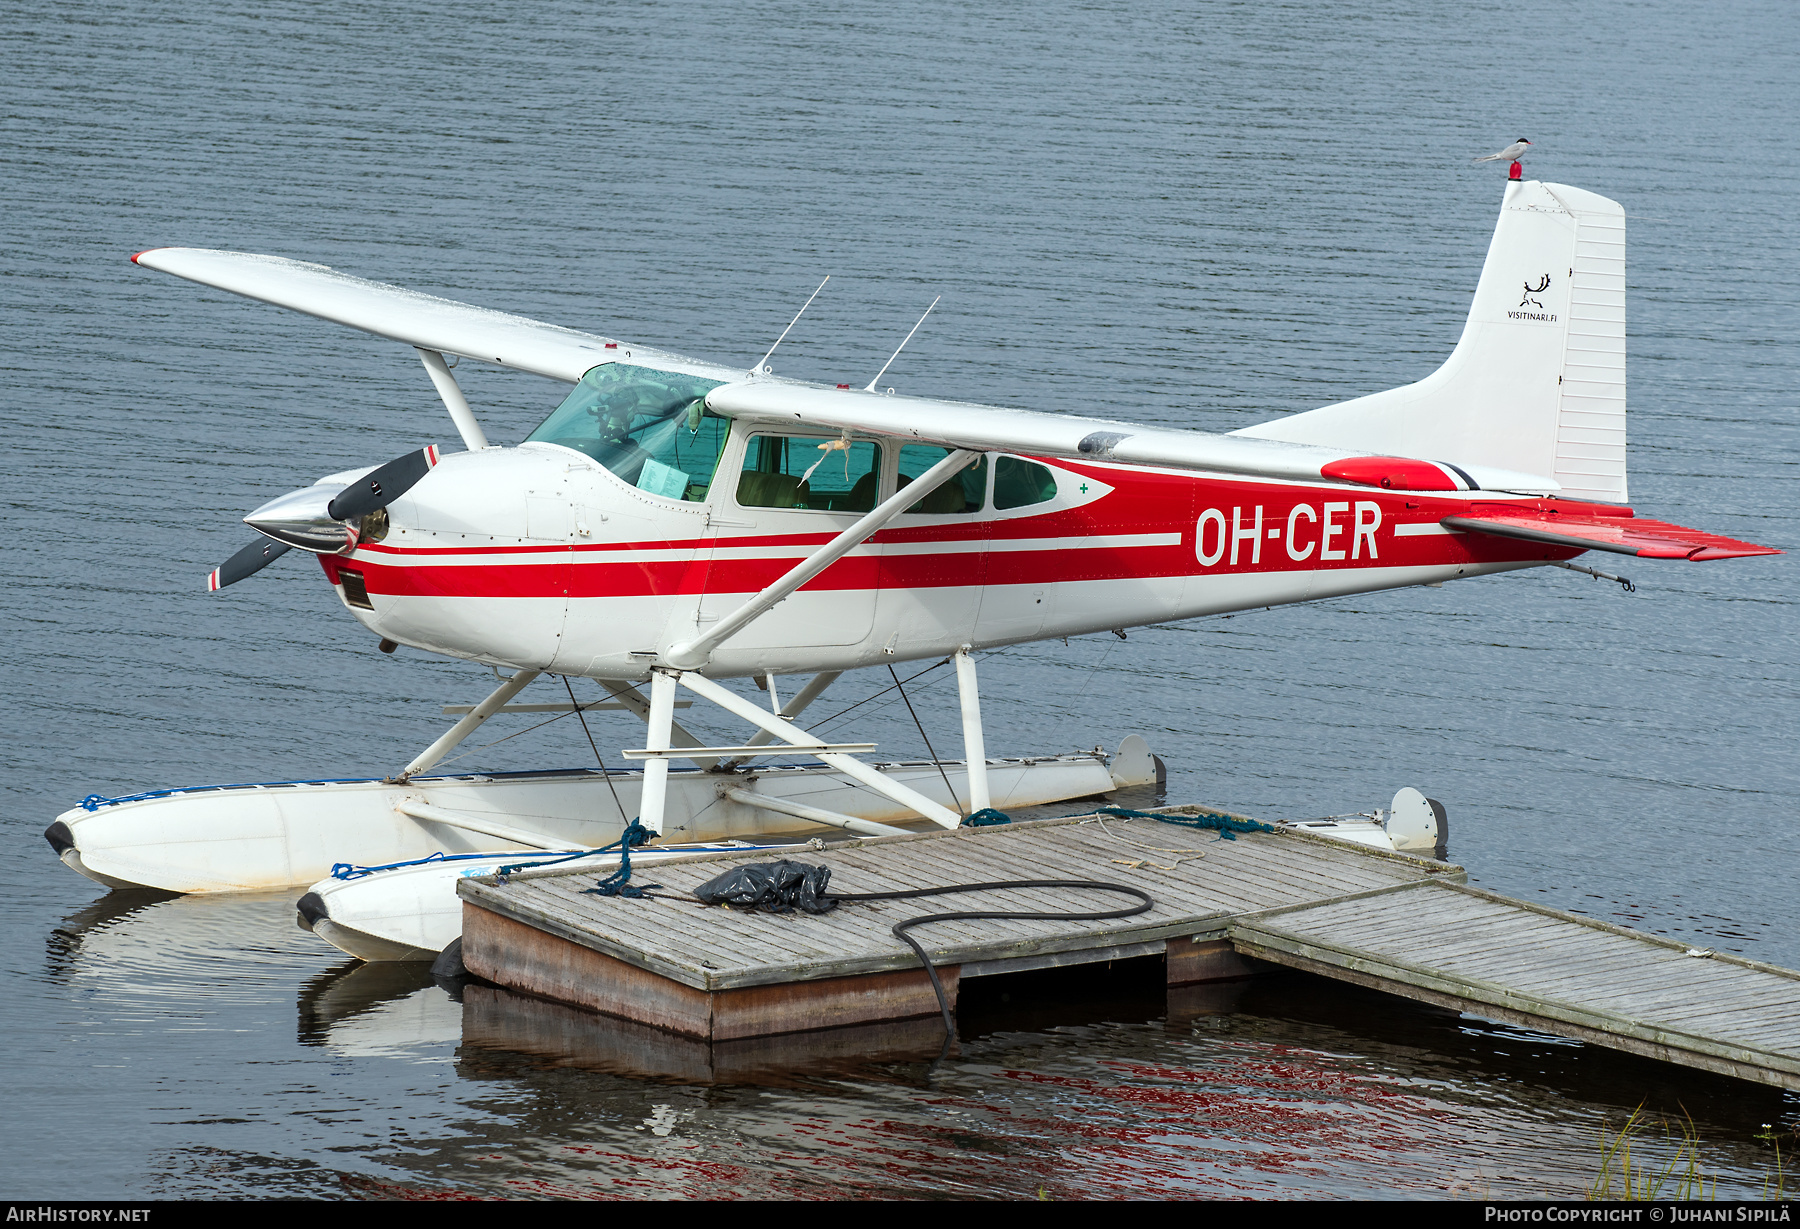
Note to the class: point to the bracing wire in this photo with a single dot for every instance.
(600, 759)
(929, 749)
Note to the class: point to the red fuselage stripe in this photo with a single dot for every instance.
(1218, 527)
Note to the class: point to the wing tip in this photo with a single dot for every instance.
(212, 581)
(1737, 550)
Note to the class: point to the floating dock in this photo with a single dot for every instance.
(1406, 925)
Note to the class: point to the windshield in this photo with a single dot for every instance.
(651, 428)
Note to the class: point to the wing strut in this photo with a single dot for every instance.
(694, 654)
(472, 436)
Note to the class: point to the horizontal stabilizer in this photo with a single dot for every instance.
(1621, 534)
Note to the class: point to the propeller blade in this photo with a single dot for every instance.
(383, 486)
(247, 562)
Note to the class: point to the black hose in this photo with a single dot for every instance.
(901, 928)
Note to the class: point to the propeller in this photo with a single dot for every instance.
(247, 562)
(382, 486)
(296, 519)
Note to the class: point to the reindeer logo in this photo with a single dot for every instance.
(1528, 301)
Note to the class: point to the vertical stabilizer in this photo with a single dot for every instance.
(1536, 385)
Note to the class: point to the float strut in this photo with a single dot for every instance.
(762, 718)
(455, 734)
(793, 708)
(653, 801)
(634, 700)
(974, 748)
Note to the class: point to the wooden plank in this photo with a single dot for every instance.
(1438, 917)
(929, 867)
(1480, 996)
(524, 958)
(1395, 921)
(1647, 1047)
(499, 1019)
(1745, 1012)
(1575, 966)
(1723, 958)
(1666, 987)
(1399, 962)
(1189, 962)
(890, 956)
(1626, 972)
(1056, 960)
(832, 1002)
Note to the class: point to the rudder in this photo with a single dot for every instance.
(1536, 384)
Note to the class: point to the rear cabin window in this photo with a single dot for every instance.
(1019, 484)
(966, 492)
(825, 475)
(649, 427)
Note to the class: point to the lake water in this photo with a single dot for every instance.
(1197, 215)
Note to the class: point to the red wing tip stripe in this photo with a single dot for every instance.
(212, 581)
(431, 456)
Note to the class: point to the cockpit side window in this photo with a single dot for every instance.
(835, 475)
(651, 428)
(966, 492)
(1019, 483)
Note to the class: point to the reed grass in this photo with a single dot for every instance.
(1774, 1183)
(1635, 1166)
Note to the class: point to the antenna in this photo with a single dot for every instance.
(791, 324)
(896, 353)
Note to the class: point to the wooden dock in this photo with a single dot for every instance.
(1394, 922)
(1476, 951)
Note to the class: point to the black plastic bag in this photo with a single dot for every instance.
(773, 887)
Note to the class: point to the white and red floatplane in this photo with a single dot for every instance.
(675, 522)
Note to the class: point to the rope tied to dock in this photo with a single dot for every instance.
(987, 817)
(1227, 826)
(619, 882)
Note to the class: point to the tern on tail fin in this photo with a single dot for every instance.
(1512, 153)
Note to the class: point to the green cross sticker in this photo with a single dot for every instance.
(1084, 488)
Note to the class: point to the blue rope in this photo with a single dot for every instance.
(349, 870)
(619, 882)
(93, 802)
(1227, 827)
(986, 817)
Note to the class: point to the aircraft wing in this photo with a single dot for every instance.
(450, 327)
(1622, 534)
(406, 315)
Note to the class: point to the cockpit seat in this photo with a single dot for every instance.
(757, 489)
